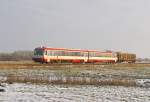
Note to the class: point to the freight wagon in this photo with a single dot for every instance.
(64, 55)
(126, 57)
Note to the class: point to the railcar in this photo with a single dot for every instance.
(62, 55)
(126, 57)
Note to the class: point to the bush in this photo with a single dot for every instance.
(16, 56)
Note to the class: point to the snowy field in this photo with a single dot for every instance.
(60, 93)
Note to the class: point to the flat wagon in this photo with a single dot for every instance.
(126, 57)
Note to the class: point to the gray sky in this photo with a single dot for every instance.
(120, 25)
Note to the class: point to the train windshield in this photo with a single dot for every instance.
(38, 52)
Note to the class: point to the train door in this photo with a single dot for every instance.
(86, 56)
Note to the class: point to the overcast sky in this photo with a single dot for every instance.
(119, 25)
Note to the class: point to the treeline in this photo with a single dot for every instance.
(16, 56)
(146, 60)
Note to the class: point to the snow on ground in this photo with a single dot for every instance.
(64, 93)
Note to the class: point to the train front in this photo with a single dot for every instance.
(38, 55)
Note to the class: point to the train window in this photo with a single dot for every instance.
(86, 54)
(97, 54)
(38, 52)
(92, 54)
(49, 53)
(57, 53)
(103, 55)
(69, 53)
(53, 53)
(62, 53)
(81, 53)
(76, 53)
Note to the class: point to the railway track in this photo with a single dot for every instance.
(64, 64)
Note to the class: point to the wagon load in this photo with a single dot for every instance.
(126, 57)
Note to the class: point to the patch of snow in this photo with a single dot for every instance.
(54, 93)
(143, 82)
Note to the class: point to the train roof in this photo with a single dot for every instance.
(71, 49)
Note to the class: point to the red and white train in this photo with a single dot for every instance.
(61, 55)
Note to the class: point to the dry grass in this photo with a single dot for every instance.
(71, 81)
(33, 65)
(73, 73)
